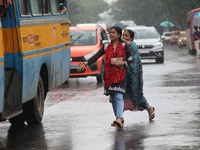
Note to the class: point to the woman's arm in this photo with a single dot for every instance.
(125, 41)
(129, 58)
(92, 59)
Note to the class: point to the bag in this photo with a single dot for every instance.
(116, 60)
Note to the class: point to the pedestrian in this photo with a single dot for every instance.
(196, 41)
(134, 99)
(63, 9)
(115, 71)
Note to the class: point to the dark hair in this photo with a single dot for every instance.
(195, 27)
(119, 31)
(61, 6)
(131, 33)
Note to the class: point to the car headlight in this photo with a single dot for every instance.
(89, 55)
(158, 45)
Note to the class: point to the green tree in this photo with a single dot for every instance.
(153, 12)
(86, 11)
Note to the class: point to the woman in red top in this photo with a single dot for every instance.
(115, 74)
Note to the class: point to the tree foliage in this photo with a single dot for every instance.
(86, 11)
(153, 12)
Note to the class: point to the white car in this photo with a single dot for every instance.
(165, 37)
(149, 43)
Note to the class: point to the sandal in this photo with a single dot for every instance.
(151, 114)
(113, 124)
(119, 124)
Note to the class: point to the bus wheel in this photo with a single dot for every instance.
(34, 109)
(18, 120)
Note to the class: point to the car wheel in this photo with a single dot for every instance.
(100, 77)
(34, 109)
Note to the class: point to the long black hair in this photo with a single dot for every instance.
(131, 33)
(119, 31)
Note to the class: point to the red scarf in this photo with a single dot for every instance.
(113, 74)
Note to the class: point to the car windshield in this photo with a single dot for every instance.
(145, 34)
(83, 38)
(167, 34)
(176, 33)
(184, 35)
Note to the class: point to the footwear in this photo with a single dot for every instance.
(117, 123)
(122, 120)
(151, 113)
(113, 124)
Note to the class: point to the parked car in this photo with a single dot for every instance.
(165, 37)
(182, 40)
(174, 37)
(149, 43)
(86, 41)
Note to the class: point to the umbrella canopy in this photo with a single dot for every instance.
(166, 24)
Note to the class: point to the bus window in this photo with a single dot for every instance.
(35, 7)
(24, 8)
(46, 8)
(63, 7)
(54, 7)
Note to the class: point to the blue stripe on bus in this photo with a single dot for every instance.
(43, 50)
(1, 59)
(1, 88)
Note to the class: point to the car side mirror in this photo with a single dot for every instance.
(104, 42)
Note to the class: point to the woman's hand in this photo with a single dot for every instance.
(81, 68)
(119, 64)
(124, 40)
(108, 30)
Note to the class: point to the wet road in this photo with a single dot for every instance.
(78, 115)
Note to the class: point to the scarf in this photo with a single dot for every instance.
(113, 74)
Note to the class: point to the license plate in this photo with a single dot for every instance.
(74, 66)
(144, 51)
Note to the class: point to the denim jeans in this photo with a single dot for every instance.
(117, 103)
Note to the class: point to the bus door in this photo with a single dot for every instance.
(1, 71)
(12, 62)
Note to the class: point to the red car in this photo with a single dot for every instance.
(86, 41)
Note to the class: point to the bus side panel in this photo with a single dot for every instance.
(56, 70)
(2, 77)
(44, 44)
(1, 85)
(31, 72)
(66, 64)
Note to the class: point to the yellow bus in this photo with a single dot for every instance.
(35, 57)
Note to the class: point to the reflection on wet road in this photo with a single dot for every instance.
(78, 115)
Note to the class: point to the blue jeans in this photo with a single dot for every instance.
(117, 103)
